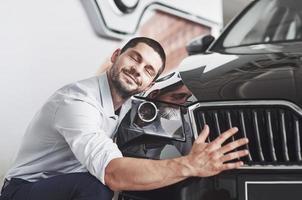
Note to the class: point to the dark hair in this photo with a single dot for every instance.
(156, 46)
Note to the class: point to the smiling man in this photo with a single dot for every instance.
(68, 152)
(144, 64)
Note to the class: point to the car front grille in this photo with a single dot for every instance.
(273, 128)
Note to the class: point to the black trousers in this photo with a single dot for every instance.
(74, 186)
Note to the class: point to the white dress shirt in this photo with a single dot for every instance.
(71, 133)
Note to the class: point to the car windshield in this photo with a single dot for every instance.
(267, 21)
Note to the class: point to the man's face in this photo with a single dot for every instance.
(134, 70)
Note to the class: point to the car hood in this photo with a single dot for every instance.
(256, 76)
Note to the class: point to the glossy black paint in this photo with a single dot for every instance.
(251, 76)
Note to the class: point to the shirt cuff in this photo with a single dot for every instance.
(105, 161)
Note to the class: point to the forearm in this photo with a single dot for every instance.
(143, 174)
(204, 160)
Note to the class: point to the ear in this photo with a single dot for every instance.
(115, 55)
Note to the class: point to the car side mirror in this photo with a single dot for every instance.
(199, 44)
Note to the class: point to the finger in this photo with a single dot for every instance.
(229, 166)
(226, 135)
(233, 145)
(234, 155)
(203, 134)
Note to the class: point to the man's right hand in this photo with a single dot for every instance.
(205, 159)
(208, 159)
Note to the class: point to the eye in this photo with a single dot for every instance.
(149, 70)
(133, 58)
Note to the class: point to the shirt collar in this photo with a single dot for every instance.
(106, 96)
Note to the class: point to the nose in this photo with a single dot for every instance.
(135, 71)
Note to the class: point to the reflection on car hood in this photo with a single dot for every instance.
(221, 77)
(263, 48)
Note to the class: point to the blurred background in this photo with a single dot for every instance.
(47, 44)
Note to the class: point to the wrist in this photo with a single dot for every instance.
(186, 169)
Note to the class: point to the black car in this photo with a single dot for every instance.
(250, 77)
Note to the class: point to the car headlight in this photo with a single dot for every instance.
(147, 111)
(157, 118)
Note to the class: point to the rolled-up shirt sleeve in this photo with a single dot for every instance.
(81, 124)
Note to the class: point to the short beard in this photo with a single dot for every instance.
(120, 88)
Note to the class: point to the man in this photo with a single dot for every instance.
(68, 153)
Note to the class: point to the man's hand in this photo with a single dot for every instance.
(205, 159)
(208, 159)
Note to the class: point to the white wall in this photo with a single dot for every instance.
(43, 45)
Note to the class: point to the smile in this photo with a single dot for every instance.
(131, 77)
